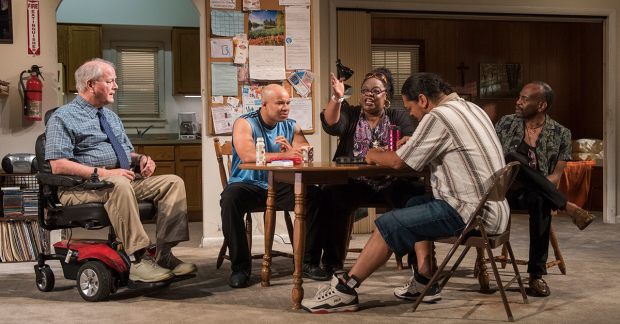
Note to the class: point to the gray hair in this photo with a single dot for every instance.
(89, 71)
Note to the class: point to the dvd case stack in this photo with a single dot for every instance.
(12, 202)
(31, 202)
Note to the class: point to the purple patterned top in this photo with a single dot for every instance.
(365, 139)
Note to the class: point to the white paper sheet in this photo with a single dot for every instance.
(267, 63)
(217, 99)
(223, 4)
(224, 79)
(297, 22)
(294, 2)
(301, 112)
(222, 119)
(221, 48)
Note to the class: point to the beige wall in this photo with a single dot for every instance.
(17, 135)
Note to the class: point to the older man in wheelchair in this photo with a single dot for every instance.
(85, 140)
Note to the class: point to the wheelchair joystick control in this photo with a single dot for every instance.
(95, 184)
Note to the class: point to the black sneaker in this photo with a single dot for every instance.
(331, 298)
(412, 289)
(314, 272)
(239, 279)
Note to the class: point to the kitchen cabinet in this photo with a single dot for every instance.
(184, 160)
(186, 61)
(76, 45)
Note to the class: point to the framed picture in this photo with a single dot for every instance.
(6, 22)
(465, 96)
(500, 80)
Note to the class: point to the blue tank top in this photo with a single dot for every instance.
(269, 134)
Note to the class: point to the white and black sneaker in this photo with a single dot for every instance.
(413, 288)
(331, 298)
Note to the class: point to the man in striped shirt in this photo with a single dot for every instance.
(457, 140)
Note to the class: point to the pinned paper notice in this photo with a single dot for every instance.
(301, 112)
(251, 5)
(298, 85)
(223, 4)
(224, 79)
(267, 63)
(222, 119)
(221, 48)
(232, 101)
(241, 52)
(227, 22)
(217, 99)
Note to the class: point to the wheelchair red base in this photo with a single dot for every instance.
(98, 266)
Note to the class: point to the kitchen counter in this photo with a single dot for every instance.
(151, 139)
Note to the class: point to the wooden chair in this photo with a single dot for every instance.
(226, 149)
(483, 242)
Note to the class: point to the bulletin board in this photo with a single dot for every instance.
(212, 35)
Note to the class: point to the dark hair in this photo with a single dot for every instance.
(428, 84)
(547, 93)
(389, 86)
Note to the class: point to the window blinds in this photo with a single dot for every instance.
(138, 81)
(402, 60)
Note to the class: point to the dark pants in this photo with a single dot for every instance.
(539, 196)
(239, 198)
(339, 201)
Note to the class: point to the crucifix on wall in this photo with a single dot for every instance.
(462, 67)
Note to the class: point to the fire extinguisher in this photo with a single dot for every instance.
(33, 93)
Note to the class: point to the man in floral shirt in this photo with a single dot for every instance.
(543, 147)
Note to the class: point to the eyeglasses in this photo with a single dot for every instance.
(532, 156)
(376, 75)
(374, 92)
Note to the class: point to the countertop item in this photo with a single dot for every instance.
(151, 139)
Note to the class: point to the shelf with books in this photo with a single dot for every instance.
(21, 237)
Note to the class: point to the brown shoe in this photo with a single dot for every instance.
(582, 218)
(539, 288)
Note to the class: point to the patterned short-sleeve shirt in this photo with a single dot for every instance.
(553, 143)
(74, 132)
(457, 141)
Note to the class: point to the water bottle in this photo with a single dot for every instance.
(260, 151)
(393, 137)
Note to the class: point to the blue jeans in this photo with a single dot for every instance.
(424, 218)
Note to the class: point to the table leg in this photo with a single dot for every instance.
(299, 241)
(270, 226)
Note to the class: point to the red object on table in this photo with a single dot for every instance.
(296, 160)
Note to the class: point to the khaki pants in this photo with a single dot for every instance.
(167, 193)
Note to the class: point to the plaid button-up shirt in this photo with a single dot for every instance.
(74, 132)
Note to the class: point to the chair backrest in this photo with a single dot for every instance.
(39, 149)
(501, 182)
(220, 151)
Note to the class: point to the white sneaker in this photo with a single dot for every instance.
(331, 298)
(412, 289)
(148, 271)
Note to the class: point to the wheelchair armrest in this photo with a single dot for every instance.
(59, 180)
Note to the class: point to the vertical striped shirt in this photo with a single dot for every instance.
(458, 142)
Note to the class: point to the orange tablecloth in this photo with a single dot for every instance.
(575, 182)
